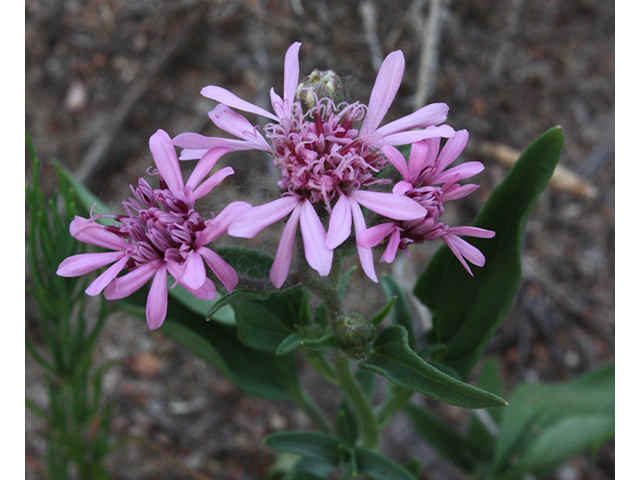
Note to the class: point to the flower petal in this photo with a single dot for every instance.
(84, 263)
(404, 138)
(204, 166)
(432, 114)
(390, 205)
(373, 236)
(220, 224)
(124, 286)
(220, 268)
(235, 124)
(211, 182)
(188, 154)
(291, 73)
(397, 160)
(166, 159)
(226, 97)
(206, 292)
(423, 154)
(106, 277)
(384, 90)
(284, 254)
(472, 232)
(193, 271)
(91, 232)
(157, 299)
(314, 240)
(251, 221)
(459, 172)
(389, 254)
(451, 150)
(365, 254)
(339, 223)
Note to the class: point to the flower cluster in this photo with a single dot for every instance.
(332, 156)
(159, 234)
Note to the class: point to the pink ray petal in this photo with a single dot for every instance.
(339, 223)
(220, 224)
(384, 90)
(451, 150)
(84, 263)
(458, 191)
(221, 269)
(124, 286)
(397, 160)
(404, 138)
(472, 232)
(226, 97)
(234, 123)
(291, 73)
(106, 277)
(422, 156)
(365, 254)
(157, 299)
(432, 114)
(277, 103)
(193, 271)
(454, 249)
(373, 236)
(188, 154)
(251, 221)
(459, 172)
(211, 182)
(204, 166)
(389, 254)
(467, 250)
(314, 239)
(390, 205)
(195, 141)
(206, 292)
(88, 231)
(284, 254)
(166, 159)
(402, 187)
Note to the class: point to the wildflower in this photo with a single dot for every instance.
(326, 162)
(426, 170)
(160, 234)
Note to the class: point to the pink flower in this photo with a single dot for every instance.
(425, 170)
(326, 162)
(160, 234)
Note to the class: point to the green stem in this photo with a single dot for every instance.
(395, 400)
(367, 423)
(312, 409)
(318, 361)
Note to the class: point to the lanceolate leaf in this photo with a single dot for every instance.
(379, 467)
(401, 313)
(393, 358)
(327, 448)
(256, 373)
(467, 310)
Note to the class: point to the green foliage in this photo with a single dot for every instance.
(393, 358)
(77, 417)
(544, 425)
(467, 310)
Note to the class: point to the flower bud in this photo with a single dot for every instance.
(353, 332)
(318, 85)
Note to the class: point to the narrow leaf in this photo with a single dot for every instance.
(320, 446)
(467, 310)
(380, 467)
(393, 358)
(401, 313)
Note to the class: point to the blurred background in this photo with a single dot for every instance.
(103, 75)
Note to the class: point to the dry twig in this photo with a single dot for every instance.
(429, 53)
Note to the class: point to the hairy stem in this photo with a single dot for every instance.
(366, 420)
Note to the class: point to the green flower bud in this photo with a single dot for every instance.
(318, 85)
(353, 332)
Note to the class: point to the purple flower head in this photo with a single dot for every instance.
(159, 234)
(328, 155)
(428, 183)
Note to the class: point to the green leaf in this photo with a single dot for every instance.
(467, 310)
(247, 262)
(569, 437)
(379, 467)
(265, 324)
(536, 408)
(443, 438)
(401, 313)
(382, 314)
(327, 448)
(289, 344)
(256, 373)
(393, 358)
